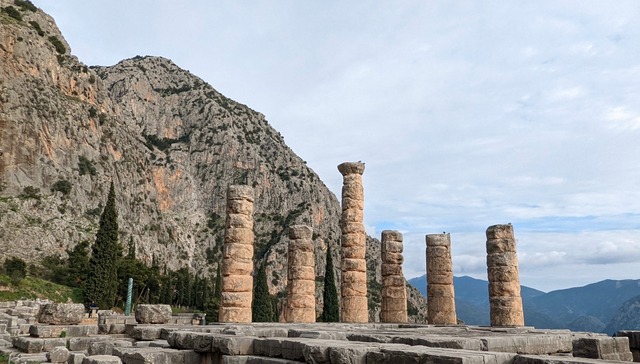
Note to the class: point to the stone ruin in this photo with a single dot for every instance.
(394, 291)
(179, 341)
(35, 332)
(301, 300)
(441, 305)
(237, 257)
(354, 306)
(505, 301)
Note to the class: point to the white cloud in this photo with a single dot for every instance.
(467, 114)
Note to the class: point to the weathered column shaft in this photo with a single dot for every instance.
(394, 290)
(441, 303)
(301, 300)
(504, 281)
(353, 306)
(237, 257)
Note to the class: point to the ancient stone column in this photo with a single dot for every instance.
(353, 306)
(394, 291)
(504, 282)
(237, 257)
(301, 300)
(441, 303)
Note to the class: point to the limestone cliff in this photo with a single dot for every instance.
(170, 143)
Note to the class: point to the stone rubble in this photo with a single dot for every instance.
(369, 343)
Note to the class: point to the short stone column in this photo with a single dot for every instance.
(504, 281)
(237, 257)
(394, 290)
(441, 304)
(301, 300)
(353, 306)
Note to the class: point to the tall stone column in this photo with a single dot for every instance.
(504, 281)
(394, 290)
(237, 257)
(353, 306)
(301, 300)
(441, 303)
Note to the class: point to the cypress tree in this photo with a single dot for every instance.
(262, 305)
(330, 310)
(102, 275)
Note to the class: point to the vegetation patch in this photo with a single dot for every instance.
(12, 13)
(57, 43)
(25, 5)
(36, 26)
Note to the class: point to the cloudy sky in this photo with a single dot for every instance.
(467, 113)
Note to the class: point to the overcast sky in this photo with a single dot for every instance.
(467, 113)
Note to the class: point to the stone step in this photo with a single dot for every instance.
(51, 331)
(27, 344)
(548, 359)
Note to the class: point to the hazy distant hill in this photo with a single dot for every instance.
(605, 306)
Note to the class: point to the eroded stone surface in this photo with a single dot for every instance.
(504, 282)
(301, 301)
(153, 314)
(61, 313)
(354, 305)
(440, 291)
(237, 257)
(394, 291)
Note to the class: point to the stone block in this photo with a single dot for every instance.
(101, 359)
(83, 343)
(117, 329)
(602, 347)
(58, 354)
(36, 345)
(61, 313)
(153, 314)
(153, 356)
(145, 333)
(530, 344)
(159, 344)
(76, 358)
(545, 359)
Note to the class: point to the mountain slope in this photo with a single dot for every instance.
(170, 143)
(605, 306)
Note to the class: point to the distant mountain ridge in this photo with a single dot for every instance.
(606, 306)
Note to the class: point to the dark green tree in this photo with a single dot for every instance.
(102, 276)
(330, 310)
(15, 268)
(212, 306)
(262, 305)
(78, 264)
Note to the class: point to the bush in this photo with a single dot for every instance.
(15, 268)
(57, 43)
(85, 166)
(36, 26)
(30, 192)
(26, 5)
(12, 12)
(63, 186)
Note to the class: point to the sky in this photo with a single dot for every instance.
(467, 113)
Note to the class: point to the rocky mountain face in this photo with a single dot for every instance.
(170, 143)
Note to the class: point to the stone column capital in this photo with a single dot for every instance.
(347, 168)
